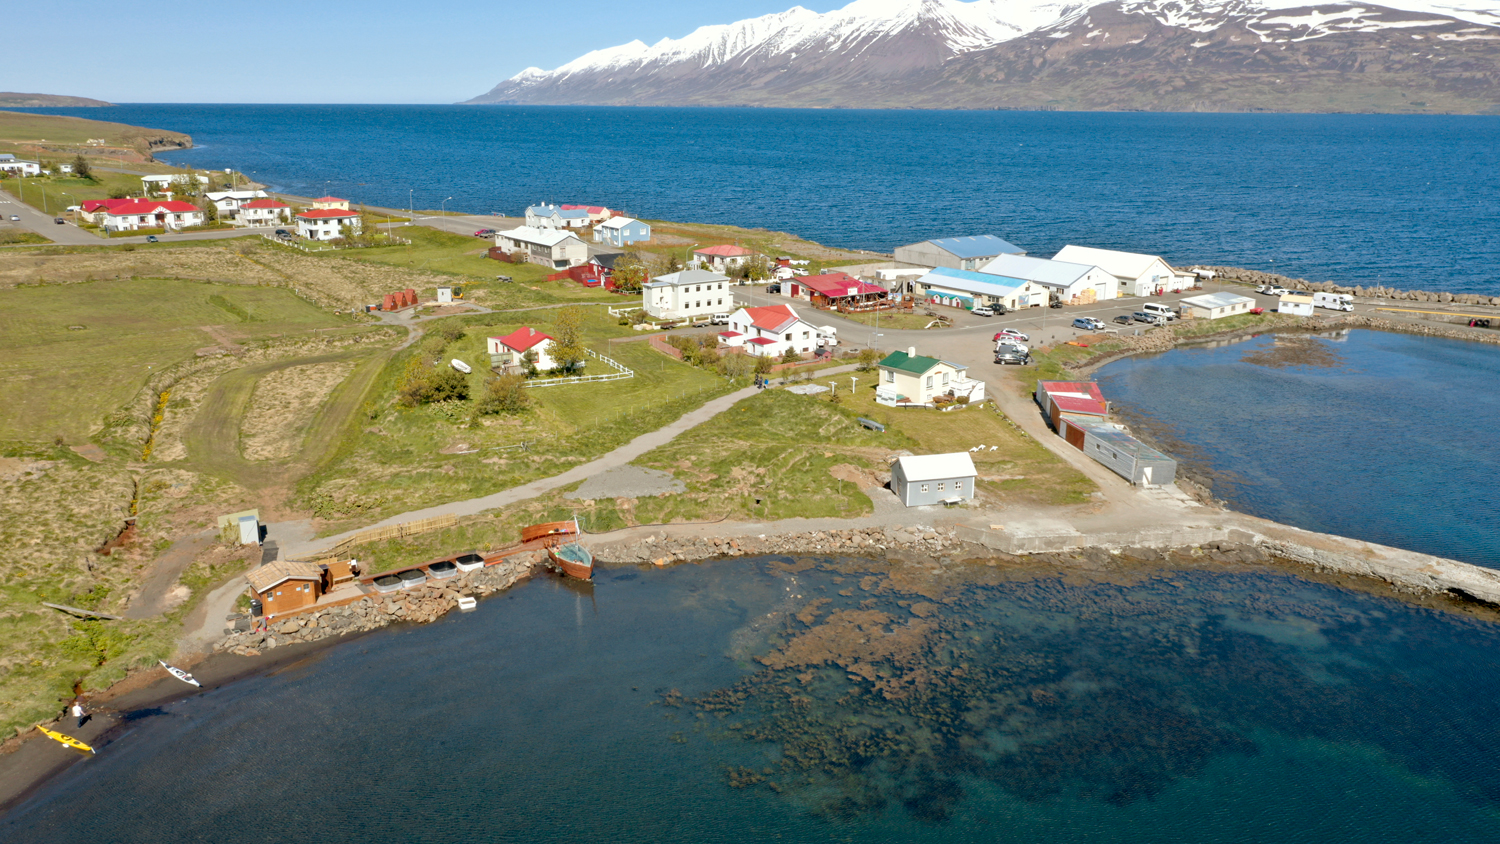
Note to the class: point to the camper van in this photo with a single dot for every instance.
(1333, 301)
(1162, 311)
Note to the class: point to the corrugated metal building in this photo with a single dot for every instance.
(1061, 398)
(933, 478)
(957, 253)
(1123, 454)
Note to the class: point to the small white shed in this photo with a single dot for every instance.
(249, 530)
(933, 478)
(1216, 305)
(1296, 304)
(445, 295)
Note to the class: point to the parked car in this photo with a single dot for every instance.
(60, 221)
(1153, 319)
(485, 233)
(1012, 346)
(1007, 357)
(719, 319)
(1088, 323)
(982, 311)
(1272, 290)
(773, 288)
(283, 233)
(151, 238)
(15, 218)
(1124, 319)
(1012, 334)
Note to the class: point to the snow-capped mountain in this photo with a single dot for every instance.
(1433, 55)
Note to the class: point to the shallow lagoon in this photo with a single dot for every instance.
(836, 700)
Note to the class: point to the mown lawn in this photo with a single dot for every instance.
(71, 353)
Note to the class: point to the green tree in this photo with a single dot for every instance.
(567, 338)
(790, 355)
(119, 192)
(81, 168)
(630, 272)
(763, 365)
(505, 394)
(868, 358)
(757, 268)
(423, 383)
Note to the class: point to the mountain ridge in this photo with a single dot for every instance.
(1155, 55)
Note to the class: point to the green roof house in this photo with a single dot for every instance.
(907, 378)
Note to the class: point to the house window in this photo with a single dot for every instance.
(940, 486)
(890, 376)
(958, 486)
(945, 379)
(804, 335)
(929, 382)
(789, 338)
(924, 487)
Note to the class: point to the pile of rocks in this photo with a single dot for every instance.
(419, 606)
(1257, 278)
(662, 549)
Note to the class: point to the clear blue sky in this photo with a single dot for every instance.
(332, 51)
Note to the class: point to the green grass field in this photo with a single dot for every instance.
(71, 353)
(54, 195)
(20, 128)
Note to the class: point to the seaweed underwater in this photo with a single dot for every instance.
(882, 691)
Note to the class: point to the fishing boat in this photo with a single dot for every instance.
(461, 366)
(180, 674)
(574, 560)
(66, 740)
(546, 529)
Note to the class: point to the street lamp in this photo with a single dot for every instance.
(410, 207)
(445, 207)
(687, 255)
(75, 203)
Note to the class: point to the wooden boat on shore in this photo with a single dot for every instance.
(531, 533)
(574, 560)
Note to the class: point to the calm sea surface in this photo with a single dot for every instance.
(1383, 437)
(836, 701)
(1406, 201)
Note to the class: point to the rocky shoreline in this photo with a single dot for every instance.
(1256, 278)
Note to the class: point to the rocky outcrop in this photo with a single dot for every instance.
(417, 606)
(662, 549)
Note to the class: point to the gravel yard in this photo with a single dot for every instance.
(628, 482)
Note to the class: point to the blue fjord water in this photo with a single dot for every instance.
(1403, 201)
(1388, 439)
(836, 700)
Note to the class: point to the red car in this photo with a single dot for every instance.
(1012, 334)
(485, 233)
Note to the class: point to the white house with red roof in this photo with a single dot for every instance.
(137, 214)
(93, 210)
(228, 202)
(724, 257)
(597, 213)
(509, 352)
(769, 330)
(327, 223)
(264, 212)
(687, 294)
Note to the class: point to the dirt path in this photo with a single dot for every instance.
(152, 601)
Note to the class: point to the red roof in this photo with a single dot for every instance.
(92, 205)
(521, 339)
(725, 251)
(761, 341)
(329, 199)
(1076, 396)
(327, 213)
(150, 206)
(265, 203)
(837, 285)
(772, 317)
(1074, 404)
(1088, 388)
(730, 334)
(592, 209)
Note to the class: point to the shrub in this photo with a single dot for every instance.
(505, 394)
(790, 356)
(423, 383)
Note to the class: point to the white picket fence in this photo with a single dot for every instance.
(621, 373)
(325, 247)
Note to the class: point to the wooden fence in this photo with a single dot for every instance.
(620, 372)
(382, 534)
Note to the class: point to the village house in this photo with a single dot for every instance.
(556, 217)
(1139, 275)
(1296, 304)
(508, 353)
(284, 586)
(137, 214)
(330, 203)
(1215, 305)
(770, 330)
(969, 290)
(957, 253)
(548, 247)
(597, 213)
(229, 202)
(723, 258)
(13, 166)
(172, 183)
(264, 212)
(327, 223)
(907, 378)
(833, 290)
(622, 232)
(922, 479)
(686, 295)
(1069, 283)
(93, 210)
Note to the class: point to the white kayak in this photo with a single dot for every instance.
(461, 366)
(180, 674)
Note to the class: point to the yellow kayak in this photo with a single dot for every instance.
(66, 740)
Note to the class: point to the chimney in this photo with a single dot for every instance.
(911, 351)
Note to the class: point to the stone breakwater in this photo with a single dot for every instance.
(663, 548)
(1257, 278)
(1166, 338)
(428, 602)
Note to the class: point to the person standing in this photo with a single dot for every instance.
(78, 711)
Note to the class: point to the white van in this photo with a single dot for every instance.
(719, 319)
(1156, 309)
(1333, 301)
